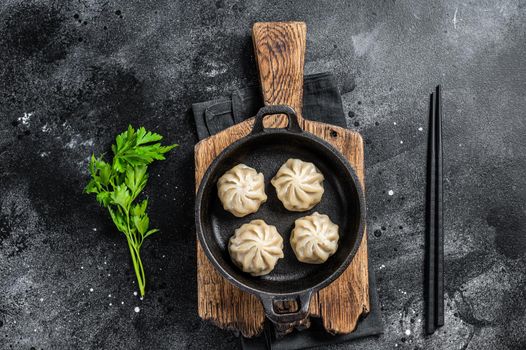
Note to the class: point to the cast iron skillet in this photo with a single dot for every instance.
(266, 150)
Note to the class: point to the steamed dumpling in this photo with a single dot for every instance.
(299, 185)
(256, 247)
(241, 190)
(314, 238)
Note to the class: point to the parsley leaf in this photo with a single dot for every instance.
(121, 196)
(118, 184)
(136, 178)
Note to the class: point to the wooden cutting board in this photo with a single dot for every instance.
(280, 52)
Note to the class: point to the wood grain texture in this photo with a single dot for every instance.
(280, 52)
(340, 304)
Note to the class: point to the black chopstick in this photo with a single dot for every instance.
(434, 266)
(439, 244)
(429, 278)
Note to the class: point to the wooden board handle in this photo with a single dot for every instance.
(280, 54)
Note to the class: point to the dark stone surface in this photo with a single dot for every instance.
(73, 74)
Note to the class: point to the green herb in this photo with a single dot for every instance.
(117, 186)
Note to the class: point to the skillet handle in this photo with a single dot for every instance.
(293, 125)
(287, 319)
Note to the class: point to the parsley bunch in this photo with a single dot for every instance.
(117, 186)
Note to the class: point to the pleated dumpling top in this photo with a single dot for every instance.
(314, 238)
(241, 190)
(256, 247)
(299, 185)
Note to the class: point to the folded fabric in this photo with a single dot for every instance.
(321, 102)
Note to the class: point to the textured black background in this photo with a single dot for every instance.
(74, 73)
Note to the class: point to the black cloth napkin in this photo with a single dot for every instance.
(321, 102)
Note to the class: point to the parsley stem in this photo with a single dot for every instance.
(137, 266)
(141, 269)
(136, 258)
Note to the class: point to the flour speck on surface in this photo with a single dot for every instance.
(91, 289)
(420, 129)
(87, 143)
(25, 118)
(391, 192)
(72, 143)
(135, 293)
(137, 309)
(455, 21)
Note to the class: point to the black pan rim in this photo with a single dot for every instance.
(205, 183)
